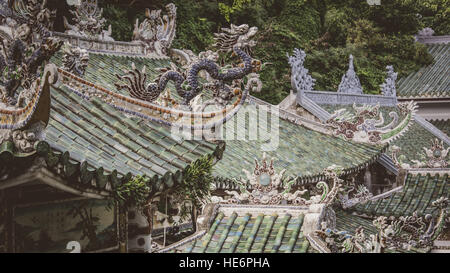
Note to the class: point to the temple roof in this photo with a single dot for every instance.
(250, 229)
(312, 152)
(416, 195)
(303, 152)
(443, 125)
(102, 67)
(103, 136)
(95, 141)
(432, 81)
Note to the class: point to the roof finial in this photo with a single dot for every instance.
(350, 82)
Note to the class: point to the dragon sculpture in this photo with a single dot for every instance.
(75, 59)
(388, 87)
(240, 36)
(88, 22)
(236, 36)
(21, 57)
(402, 233)
(187, 86)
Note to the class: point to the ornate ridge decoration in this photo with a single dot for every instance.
(157, 32)
(405, 232)
(240, 36)
(361, 195)
(89, 22)
(300, 79)
(388, 87)
(188, 86)
(269, 187)
(426, 32)
(22, 61)
(75, 59)
(364, 126)
(24, 85)
(435, 157)
(350, 82)
(266, 183)
(152, 101)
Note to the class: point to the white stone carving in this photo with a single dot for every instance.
(388, 87)
(350, 82)
(300, 79)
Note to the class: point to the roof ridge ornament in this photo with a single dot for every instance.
(25, 77)
(75, 59)
(350, 83)
(366, 124)
(268, 187)
(157, 32)
(388, 87)
(300, 78)
(89, 21)
(433, 157)
(404, 232)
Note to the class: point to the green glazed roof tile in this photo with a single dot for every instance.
(430, 81)
(249, 233)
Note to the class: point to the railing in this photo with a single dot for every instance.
(97, 45)
(327, 97)
(444, 39)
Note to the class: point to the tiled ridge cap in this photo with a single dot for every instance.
(229, 184)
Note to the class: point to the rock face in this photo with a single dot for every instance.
(350, 82)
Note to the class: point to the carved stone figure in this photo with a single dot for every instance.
(75, 59)
(24, 140)
(266, 186)
(388, 87)
(88, 22)
(157, 32)
(300, 79)
(350, 82)
(240, 36)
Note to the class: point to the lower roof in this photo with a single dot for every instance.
(432, 81)
(419, 191)
(301, 151)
